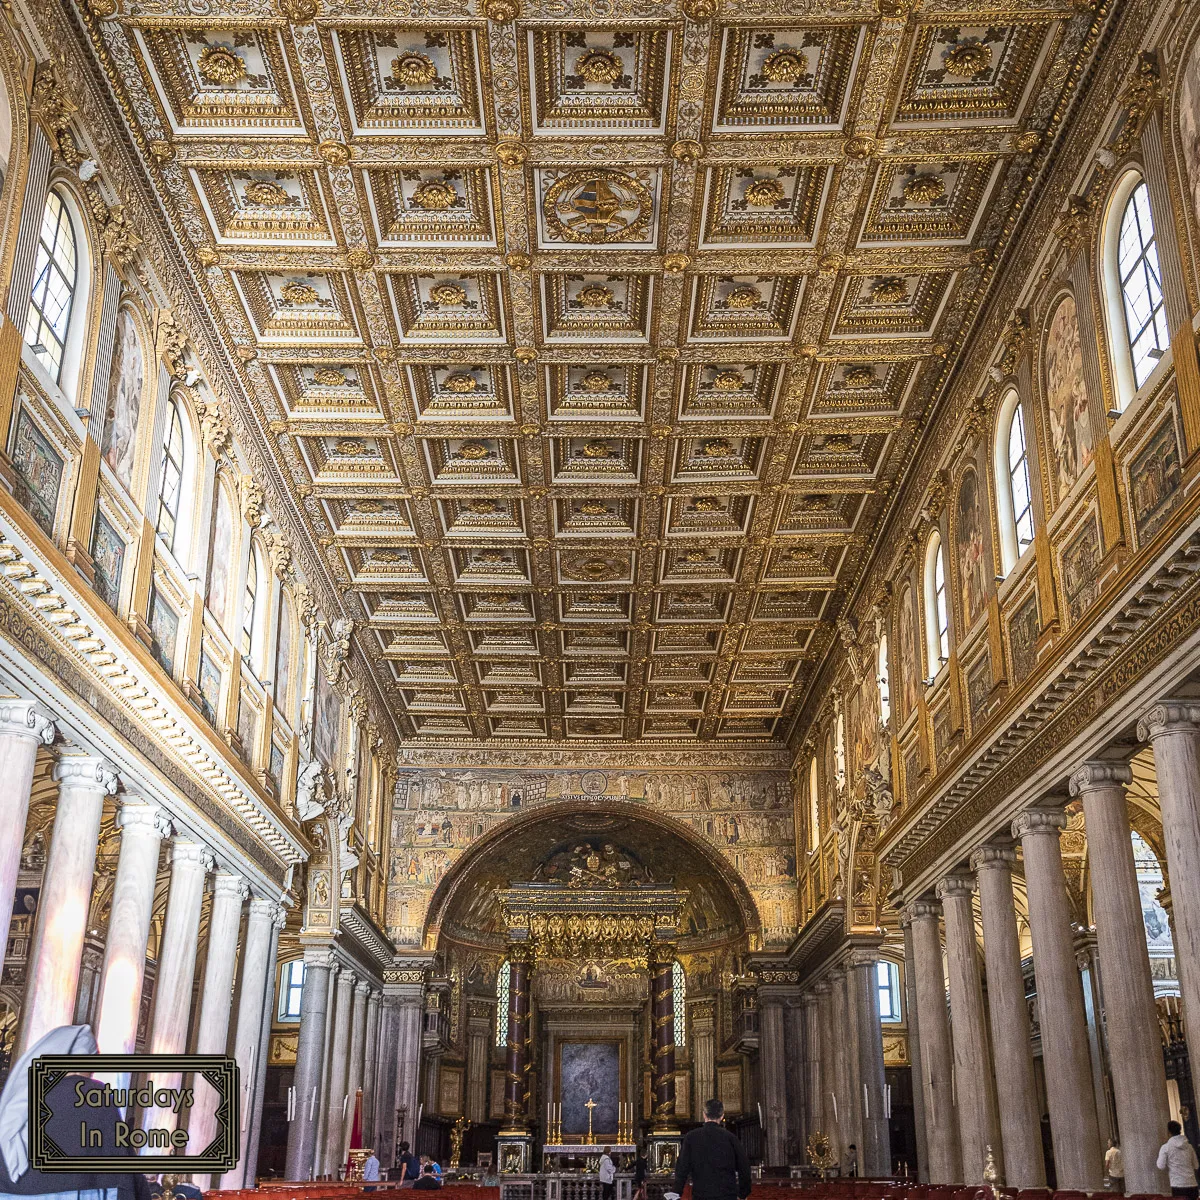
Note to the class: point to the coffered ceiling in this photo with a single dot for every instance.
(592, 338)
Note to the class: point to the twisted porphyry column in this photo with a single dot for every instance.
(516, 1083)
(662, 990)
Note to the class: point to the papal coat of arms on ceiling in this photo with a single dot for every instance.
(598, 206)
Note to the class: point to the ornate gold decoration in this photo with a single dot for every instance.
(924, 189)
(594, 508)
(120, 240)
(172, 346)
(335, 153)
(500, 11)
(51, 105)
(295, 293)
(889, 290)
(511, 154)
(967, 59)
(597, 206)
(687, 151)
(893, 9)
(413, 69)
(1027, 142)
(859, 147)
(700, 11)
(595, 295)
(1073, 229)
(859, 377)
(596, 567)
(103, 8)
(1141, 94)
(517, 261)
(299, 12)
(597, 449)
(706, 504)
(485, 508)
(785, 66)
(838, 443)
(525, 354)
(830, 264)
(208, 255)
(383, 354)
(435, 195)
(596, 381)
(728, 381)
(329, 377)
(763, 193)
(220, 66)
(744, 296)
(161, 151)
(350, 447)
(599, 66)
(266, 194)
(447, 295)
(460, 383)
(473, 451)
(674, 263)
(530, 430)
(819, 1150)
(717, 448)
(361, 259)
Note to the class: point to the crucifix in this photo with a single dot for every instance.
(591, 1104)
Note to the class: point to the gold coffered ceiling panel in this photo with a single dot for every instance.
(592, 343)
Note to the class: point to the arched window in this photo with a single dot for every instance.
(881, 678)
(814, 806)
(250, 607)
(291, 990)
(839, 750)
(170, 478)
(55, 275)
(937, 611)
(1133, 283)
(887, 976)
(1012, 482)
(502, 982)
(284, 641)
(679, 996)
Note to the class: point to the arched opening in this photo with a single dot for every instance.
(1013, 489)
(937, 611)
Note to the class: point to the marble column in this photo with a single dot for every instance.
(937, 1077)
(977, 1126)
(321, 1157)
(823, 991)
(662, 999)
(845, 1065)
(516, 1089)
(1065, 1054)
(703, 1054)
(478, 1058)
(813, 1084)
(1016, 1086)
(370, 1069)
(339, 1074)
(52, 973)
(310, 1058)
(875, 1150)
(143, 826)
(266, 1019)
(216, 1001)
(190, 864)
(385, 1082)
(797, 1050)
(914, 1050)
(358, 1047)
(24, 726)
(408, 1057)
(773, 1063)
(256, 972)
(1173, 729)
(1130, 1016)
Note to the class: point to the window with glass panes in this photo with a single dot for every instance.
(1018, 475)
(170, 479)
(502, 984)
(291, 990)
(1141, 285)
(679, 994)
(888, 977)
(54, 277)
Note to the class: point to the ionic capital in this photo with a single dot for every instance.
(318, 958)
(1097, 774)
(191, 855)
(363, 987)
(26, 719)
(924, 909)
(836, 976)
(863, 956)
(86, 773)
(1167, 717)
(808, 999)
(231, 886)
(991, 856)
(820, 989)
(263, 908)
(958, 886)
(1035, 821)
(136, 816)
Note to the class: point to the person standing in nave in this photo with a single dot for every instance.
(608, 1175)
(713, 1159)
(1178, 1158)
(1114, 1167)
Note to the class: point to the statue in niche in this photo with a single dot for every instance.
(311, 793)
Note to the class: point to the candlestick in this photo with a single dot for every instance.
(312, 1104)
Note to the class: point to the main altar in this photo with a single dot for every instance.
(592, 920)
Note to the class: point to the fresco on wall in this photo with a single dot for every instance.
(908, 653)
(124, 399)
(1080, 564)
(1071, 438)
(1022, 638)
(973, 571)
(221, 558)
(39, 472)
(108, 557)
(1188, 111)
(589, 1071)
(979, 686)
(439, 813)
(283, 663)
(1154, 478)
(327, 719)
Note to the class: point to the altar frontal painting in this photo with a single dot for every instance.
(589, 1071)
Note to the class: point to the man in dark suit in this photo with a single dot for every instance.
(714, 1160)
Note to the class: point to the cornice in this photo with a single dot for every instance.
(562, 756)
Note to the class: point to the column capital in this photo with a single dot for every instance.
(26, 718)
(957, 885)
(137, 816)
(362, 987)
(186, 853)
(1043, 821)
(992, 855)
(320, 957)
(863, 956)
(260, 906)
(225, 883)
(924, 909)
(87, 773)
(374, 997)
(1169, 716)
(1097, 774)
(835, 976)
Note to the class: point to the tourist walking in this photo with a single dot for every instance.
(1114, 1167)
(608, 1175)
(1178, 1159)
(713, 1159)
